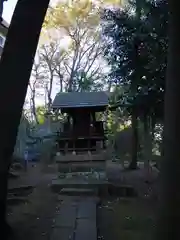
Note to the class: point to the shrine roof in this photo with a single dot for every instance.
(80, 100)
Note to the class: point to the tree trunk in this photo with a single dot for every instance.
(61, 82)
(33, 106)
(162, 142)
(133, 164)
(147, 145)
(169, 216)
(49, 91)
(153, 124)
(15, 69)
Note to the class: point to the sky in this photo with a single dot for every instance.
(9, 7)
(8, 10)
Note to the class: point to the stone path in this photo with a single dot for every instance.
(76, 220)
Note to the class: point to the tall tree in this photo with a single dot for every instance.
(50, 61)
(168, 227)
(35, 84)
(80, 24)
(15, 68)
(133, 88)
(120, 27)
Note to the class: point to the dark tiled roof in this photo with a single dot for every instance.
(80, 99)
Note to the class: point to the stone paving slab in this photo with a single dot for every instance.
(76, 220)
(87, 209)
(86, 230)
(62, 234)
(66, 216)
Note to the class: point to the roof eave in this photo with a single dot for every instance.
(79, 106)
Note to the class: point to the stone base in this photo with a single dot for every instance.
(101, 186)
(81, 167)
(87, 157)
(65, 198)
(104, 188)
(78, 192)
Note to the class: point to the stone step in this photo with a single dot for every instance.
(79, 160)
(104, 188)
(20, 188)
(66, 198)
(11, 201)
(78, 191)
(86, 174)
(70, 158)
(100, 185)
(20, 191)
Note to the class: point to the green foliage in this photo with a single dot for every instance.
(40, 112)
(112, 125)
(84, 82)
(136, 51)
(116, 122)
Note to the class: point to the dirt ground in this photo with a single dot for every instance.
(127, 219)
(144, 183)
(34, 218)
(130, 218)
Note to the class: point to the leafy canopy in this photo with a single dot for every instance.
(136, 51)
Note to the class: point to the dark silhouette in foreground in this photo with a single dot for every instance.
(1, 9)
(169, 215)
(15, 68)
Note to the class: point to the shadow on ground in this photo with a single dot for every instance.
(33, 219)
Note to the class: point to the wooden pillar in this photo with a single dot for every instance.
(93, 114)
(88, 143)
(66, 147)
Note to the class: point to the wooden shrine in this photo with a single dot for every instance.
(81, 131)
